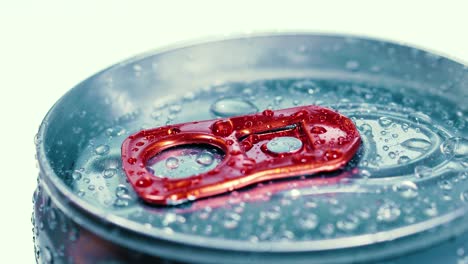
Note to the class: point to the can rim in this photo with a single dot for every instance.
(53, 182)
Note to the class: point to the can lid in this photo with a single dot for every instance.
(405, 174)
(257, 148)
(408, 176)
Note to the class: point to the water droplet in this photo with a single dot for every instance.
(388, 212)
(431, 210)
(416, 144)
(144, 182)
(404, 159)
(308, 221)
(445, 185)
(363, 213)
(76, 175)
(464, 196)
(119, 202)
(463, 175)
(365, 173)
(115, 131)
(205, 158)
(406, 189)
(273, 213)
(455, 147)
(366, 129)
(318, 130)
(284, 145)
(222, 128)
(349, 223)
(332, 154)
(327, 229)
(122, 191)
(337, 208)
(231, 220)
(37, 139)
(385, 122)
(172, 163)
(392, 155)
(405, 127)
(227, 107)
(48, 257)
(108, 173)
(102, 150)
(422, 171)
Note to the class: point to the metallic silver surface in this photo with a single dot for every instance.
(404, 198)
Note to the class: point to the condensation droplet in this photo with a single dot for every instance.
(227, 107)
(115, 131)
(445, 185)
(366, 129)
(120, 202)
(205, 158)
(327, 229)
(284, 145)
(349, 223)
(388, 212)
(172, 163)
(404, 159)
(308, 221)
(122, 191)
(431, 210)
(48, 257)
(102, 150)
(76, 175)
(365, 173)
(231, 220)
(406, 189)
(464, 196)
(455, 147)
(422, 171)
(385, 122)
(109, 173)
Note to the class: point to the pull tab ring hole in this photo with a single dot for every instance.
(184, 161)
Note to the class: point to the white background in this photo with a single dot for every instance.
(46, 47)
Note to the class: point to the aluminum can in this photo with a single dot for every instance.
(402, 198)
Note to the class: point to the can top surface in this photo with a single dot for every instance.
(408, 177)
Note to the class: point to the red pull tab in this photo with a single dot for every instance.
(258, 147)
